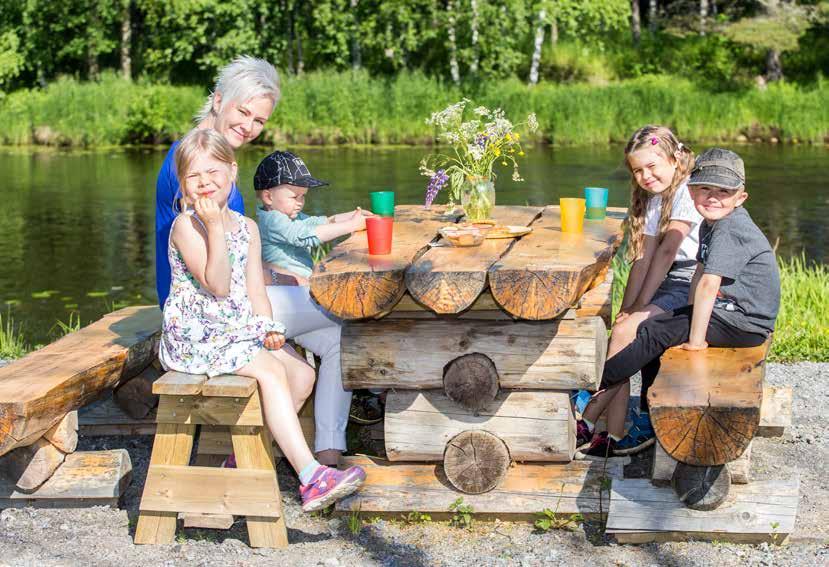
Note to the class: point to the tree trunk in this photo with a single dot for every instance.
(290, 34)
(701, 488)
(554, 32)
(774, 68)
(652, 16)
(473, 65)
(539, 40)
(476, 461)
(454, 71)
(635, 22)
(471, 381)
(356, 53)
(126, 40)
(703, 15)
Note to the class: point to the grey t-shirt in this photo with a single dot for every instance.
(734, 248)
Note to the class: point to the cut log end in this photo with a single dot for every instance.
(471, 381)
(476, 461)
(701, 488)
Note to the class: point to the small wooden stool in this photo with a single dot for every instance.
(172, 486)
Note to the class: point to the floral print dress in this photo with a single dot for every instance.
(203, 334)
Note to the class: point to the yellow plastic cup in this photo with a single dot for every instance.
(572, 214)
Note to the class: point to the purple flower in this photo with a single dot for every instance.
(436, 183)
(481, 139)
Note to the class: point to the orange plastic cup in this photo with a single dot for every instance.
(572, 214)
(379, 231)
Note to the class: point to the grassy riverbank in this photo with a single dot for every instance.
(801, 333)
(342, 107)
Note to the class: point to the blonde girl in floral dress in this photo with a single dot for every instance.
(217, 318)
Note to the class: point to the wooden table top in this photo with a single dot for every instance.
(538, 276)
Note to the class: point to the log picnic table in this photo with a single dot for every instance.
(479, 348)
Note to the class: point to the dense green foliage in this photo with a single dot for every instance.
(347, 107)
(186, 41)
(801, 332)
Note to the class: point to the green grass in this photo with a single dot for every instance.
(354, 108)
(801, 332)
(12, 344)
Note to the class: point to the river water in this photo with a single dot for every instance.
(76, 229)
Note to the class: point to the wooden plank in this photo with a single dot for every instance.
(448, 280)
(567, 489)
(215, 440)
(40, 388)
(351, 284)
(775, 411)
(760, 511)
(252, 447)
(209, 410)
(64, 434)
(206, 521)
(547, 271)
(664, 465)
(229, 385)
(180, 488)
(560, 355)
(536, 425)
(104, 417)
(705, 405)
(86, 478)
(179, 384)
(135, 396)
(172, 445)
(32, 465)
(598, 301)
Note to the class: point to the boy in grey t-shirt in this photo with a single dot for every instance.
(735, 293)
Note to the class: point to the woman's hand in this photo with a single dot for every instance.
(692, 347)
(274, 340)
(208, 211)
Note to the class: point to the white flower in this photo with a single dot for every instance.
(532, 122)
(476, 151)
(482, 111)
(468, 130)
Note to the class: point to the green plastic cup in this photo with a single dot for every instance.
(382, 203)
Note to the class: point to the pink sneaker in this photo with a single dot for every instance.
(229, 462)
(329, 485)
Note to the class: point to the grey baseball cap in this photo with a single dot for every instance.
(718, 167)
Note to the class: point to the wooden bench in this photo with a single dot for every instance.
(705, 410)
(251, 490)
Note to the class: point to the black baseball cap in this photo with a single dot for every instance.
(284, 168)
(718, 167)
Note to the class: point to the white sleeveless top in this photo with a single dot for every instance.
(682, 210)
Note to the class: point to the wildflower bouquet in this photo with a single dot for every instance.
(476, 145)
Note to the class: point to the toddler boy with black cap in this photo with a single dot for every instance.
(288, 235)
(735, 292)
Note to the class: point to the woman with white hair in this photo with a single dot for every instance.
(245, 94)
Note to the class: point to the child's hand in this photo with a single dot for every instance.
(274, 340)
(208, 211)
(621, 316)
(689, 346)
(358, 220)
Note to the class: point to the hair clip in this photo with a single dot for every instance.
(654, 141)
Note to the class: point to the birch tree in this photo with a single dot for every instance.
(539, 41)
(454, 70)
(635, 22)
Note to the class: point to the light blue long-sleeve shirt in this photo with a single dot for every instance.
(287, 242)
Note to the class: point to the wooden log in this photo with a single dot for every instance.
(179, 384)
(560, 355)
(449, 280)
(705, 405)
(547, 271)
(211, 410)
(761, 511)
(536, 425)
(64, 434)
(471, 381)
(483, 309)
(135, 396)
(775, 412)
(229, 386)
(701, 488)
(352, 284)
(664, 465)
(476, 461)
(566, 489)
(32, 465)
(39, 389)
(598, 301)
(103, 417)
(86, 478)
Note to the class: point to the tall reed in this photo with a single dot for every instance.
(12, 344)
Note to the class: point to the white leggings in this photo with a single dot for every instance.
(316, 330)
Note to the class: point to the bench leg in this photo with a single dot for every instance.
(252, 446)
(172, 445)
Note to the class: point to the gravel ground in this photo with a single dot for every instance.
(103, 536)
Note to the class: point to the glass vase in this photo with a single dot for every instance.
(478, 198)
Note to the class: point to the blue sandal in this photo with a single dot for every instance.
(640, 435)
